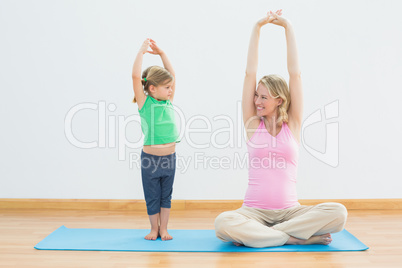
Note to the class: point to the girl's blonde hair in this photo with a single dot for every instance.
(154, 75)
(278, 88)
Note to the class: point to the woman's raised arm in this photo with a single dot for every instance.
(250, 79)
(295, 111)
(295, 83)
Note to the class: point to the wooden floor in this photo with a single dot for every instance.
(20, 230)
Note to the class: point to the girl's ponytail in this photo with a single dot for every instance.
(154, 75)
(143, 82)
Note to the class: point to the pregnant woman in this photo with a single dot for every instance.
(272, 115)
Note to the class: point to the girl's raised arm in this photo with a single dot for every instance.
(166, 63)
(139, 94)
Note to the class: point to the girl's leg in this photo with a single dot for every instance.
(169, 170)
(164, 222)
(154, 227)
(152, 192)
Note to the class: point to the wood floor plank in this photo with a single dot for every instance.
(21, 229)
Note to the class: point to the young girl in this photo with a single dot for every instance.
(154, 91)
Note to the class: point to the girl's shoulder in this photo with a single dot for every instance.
(147, 98)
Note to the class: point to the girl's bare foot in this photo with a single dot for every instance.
(152, 235)
(165, 235)
(324, 239)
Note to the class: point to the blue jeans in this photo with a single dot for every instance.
(157, 180)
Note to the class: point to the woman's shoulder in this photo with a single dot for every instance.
(253, 127)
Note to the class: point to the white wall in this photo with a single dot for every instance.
(57, 55)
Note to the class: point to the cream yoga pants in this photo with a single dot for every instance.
(250, 226)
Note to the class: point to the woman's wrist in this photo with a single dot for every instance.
(258, 25)
(287, 24)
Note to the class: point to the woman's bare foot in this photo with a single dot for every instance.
(324, 239)
(152, 235)
(165, 235)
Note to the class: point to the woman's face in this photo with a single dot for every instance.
(264, 103)
(162, 91)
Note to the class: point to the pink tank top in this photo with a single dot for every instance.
(272, 169)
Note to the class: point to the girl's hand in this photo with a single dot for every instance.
(155, 49)
(144, 47)
(277, 19)
(269, 18)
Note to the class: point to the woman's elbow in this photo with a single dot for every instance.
(295, 74)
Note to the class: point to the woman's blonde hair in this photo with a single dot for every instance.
(154, 75)
(278, 88)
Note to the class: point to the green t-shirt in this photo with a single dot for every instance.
(158, 122)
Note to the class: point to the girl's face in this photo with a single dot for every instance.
(264, 103)
(162, 92)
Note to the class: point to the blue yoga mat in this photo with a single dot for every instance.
(183, 240)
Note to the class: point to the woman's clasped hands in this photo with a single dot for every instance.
(274, 18)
